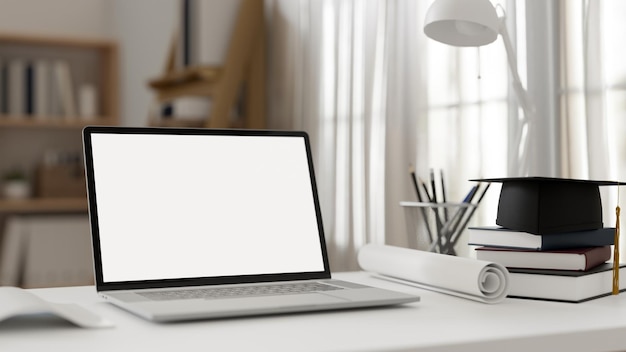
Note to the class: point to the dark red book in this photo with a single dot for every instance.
(580, 259)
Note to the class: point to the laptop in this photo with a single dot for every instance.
(211, 223)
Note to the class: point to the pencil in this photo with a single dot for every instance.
(419, 199)
(438, 210)
(438, 223)
(459, 230)
(423, 184)
(414, 180)
(452, 224)
(443, 194)
(432, 185)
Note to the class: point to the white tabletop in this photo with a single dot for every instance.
(438, 323)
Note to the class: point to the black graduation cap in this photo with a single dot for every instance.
(544, 205)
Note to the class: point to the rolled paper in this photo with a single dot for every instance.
(468, 278)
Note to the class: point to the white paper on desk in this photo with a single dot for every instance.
(17, 302)
(463, 277)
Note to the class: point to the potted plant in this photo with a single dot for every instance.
(16, 185)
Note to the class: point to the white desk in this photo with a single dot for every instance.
(437, 323)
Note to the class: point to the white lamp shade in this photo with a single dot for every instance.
(462, 22)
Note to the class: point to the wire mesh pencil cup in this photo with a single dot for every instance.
(439, 225)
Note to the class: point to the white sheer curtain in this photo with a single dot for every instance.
(376, 96)
(593, 96)
(330, 72)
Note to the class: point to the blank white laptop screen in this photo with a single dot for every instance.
(188, 206)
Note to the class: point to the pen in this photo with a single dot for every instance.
(471, 193)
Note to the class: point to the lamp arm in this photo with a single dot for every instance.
(522, 94)
(522, 98)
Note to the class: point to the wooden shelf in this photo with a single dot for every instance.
(44, 205)
(92, 61)
(29, 140)
(30, 122)
(37, 39)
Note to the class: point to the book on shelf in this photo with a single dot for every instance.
(4, 85)
(87, 101)
(65, 86)
(564, 285)
(494, 236)
(16, 88)
(37, 88)
(580, 259)
(41, 88)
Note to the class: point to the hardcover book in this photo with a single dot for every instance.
(564, 285)
(493, 236)
(580, 259)
(16, 88)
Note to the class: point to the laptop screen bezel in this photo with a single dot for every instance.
(101, 285)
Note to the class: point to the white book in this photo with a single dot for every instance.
(65, 88)
(54, 95)
(2, 87)
(16, 88)
(87, 101)
(42, 88)
(495, 236)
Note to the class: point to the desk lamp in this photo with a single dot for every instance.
(475, 23)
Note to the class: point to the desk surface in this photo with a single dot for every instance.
(438, 323)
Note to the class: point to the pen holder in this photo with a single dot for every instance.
(441, 224)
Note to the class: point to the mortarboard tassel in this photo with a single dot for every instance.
(616, 249)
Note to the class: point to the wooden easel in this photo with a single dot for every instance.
(243, 72)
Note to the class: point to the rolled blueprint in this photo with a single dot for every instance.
(474, 279)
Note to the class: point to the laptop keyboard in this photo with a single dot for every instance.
(239, 291)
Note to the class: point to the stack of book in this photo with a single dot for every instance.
(43, 88)
(567, 265)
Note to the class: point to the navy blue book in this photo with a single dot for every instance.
(29, 92)
(494, 236)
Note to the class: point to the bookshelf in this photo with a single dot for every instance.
(69, 82)
(44, 205)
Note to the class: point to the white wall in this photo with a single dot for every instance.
(59, 17)
(143, 29)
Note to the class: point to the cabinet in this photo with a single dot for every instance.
(50, 88)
